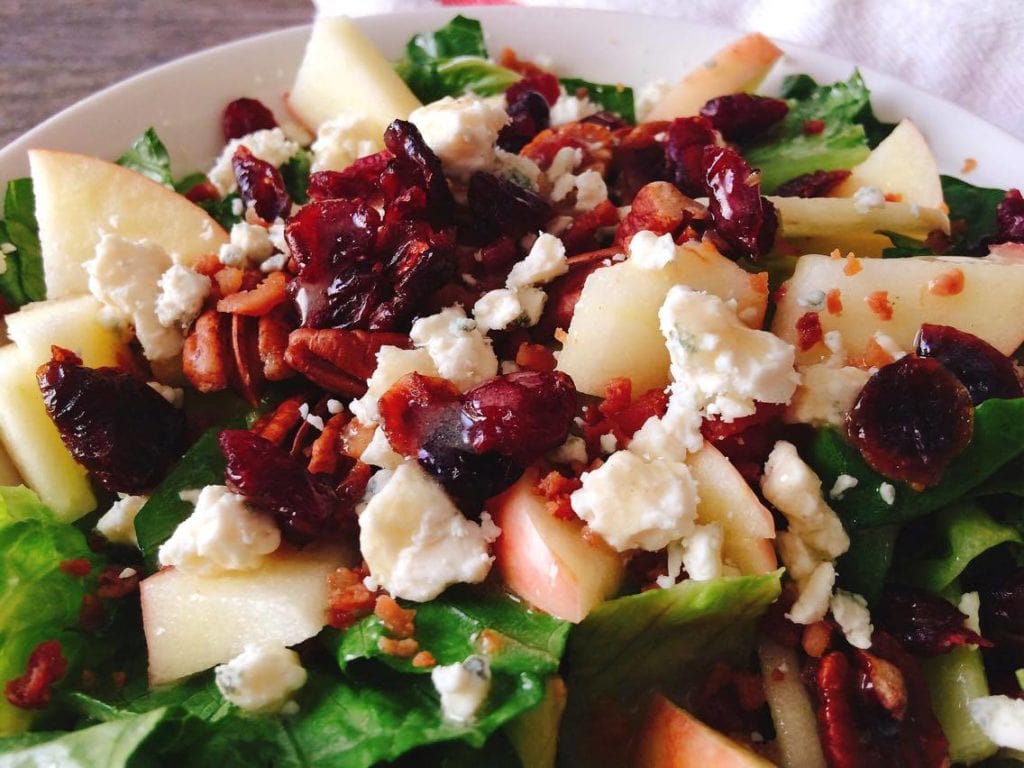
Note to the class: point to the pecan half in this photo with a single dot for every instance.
(245, 349)
(206, 358)
(337, 360)
(885, 682)
(272, 344)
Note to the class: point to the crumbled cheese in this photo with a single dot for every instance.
(702, 552)
(572, 451)
(649, 96)
(237, 207)
(888, 345)
(815, 536)
(379, 453)
(842, 484)
(173, 395)
(392, 364)
(673, 565)
(518, 169)
(125, 276)
(565, 161)
(276, 234)
(970, 606)
(1001, 719)
(637, 504)
(223, 533)
(888, 493)
(462, 132)
(572, 109)
(334, 407)
(415, 540)
(275, 263)
(866, 198)
(262, 678)
(851, 614)
(834, 342)
(545, 261)
(826, 394)
(812, 300)
(182, 293)
(672, 436)
(343, 140)
(250, 244)
(458, 348)
(463, 688)
(608, 442)
(118, 523)
(591, 190)
(722, 367)
(270, 145)
(650, 251)
(498, 309)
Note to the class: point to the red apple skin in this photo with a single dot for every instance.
(671, 737)
(547, 561)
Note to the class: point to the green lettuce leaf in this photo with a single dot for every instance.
(295, 174)
(20, 503)
(148, 156)
(975, 207)
(844, 107)
(998, 439)
(223, 210)
(903, 246)
(21, 260)
(663, 639)
(613, 98)
(38, 601)
(865, 566)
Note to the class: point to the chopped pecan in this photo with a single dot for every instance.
(258, 301)
(278, 425)
(884, 681)
(660, 208)
(337, 360)
(245, 348)
(272, 344)
(837, 719)
(326, 448)
(206, 358)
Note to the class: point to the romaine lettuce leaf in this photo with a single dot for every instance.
(613, 98)
(148, 156)
(21, 260)
(20, 503)
(976, 208)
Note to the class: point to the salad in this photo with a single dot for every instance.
(472, 414)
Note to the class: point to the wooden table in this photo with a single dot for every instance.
(55, 52)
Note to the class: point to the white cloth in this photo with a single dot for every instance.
(965, 52)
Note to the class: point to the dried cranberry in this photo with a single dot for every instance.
(360, 181)
(606, 119)
(415, 407)
(684, 153)
(421, 262)
(1010, 218)
(743, 116)
(115, 426)
(260, 184)
(416, 165)
(1002, 620)
(511, 209)
(633, 168)
(544, 83)
(244, 116)
(745, 219)
(926, 624)
(816, 184)
(33, 690)
(528, 114)
(748, 440)
(911, 420)
(304, 505)
(521, 415)
(984, 370)
(469, 477)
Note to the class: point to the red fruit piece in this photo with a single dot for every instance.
(1010, 218)
(33, 690)
(260, 184)
(684, 153)
(746, 220)
(415, 407)
(304, 505)
(926, 624)
(749, 440)
(115, 426)
(743, 116)
(544, 83)
(244, 116)
(360, 181)
(984, 370)
(416, 165)
(912, 418)
(528, 114)
(511, 209)
(816, 184)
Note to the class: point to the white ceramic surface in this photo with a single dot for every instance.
(184, 99)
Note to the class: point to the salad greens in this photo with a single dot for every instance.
(613, 98)
(974, 208)
(148, 156)
(21, 269)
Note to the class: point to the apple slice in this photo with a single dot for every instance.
(902, 164)
(78, 198)
(985, 300)
(343, 72)
(796, 725)
(838, 217)
(671, 737)
(739, 66)
(547, 561)
(194, 622)
(33, 443)
(73, 323)
(614, 330)
(727, 499)
(534, 734)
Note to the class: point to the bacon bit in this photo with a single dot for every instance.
(948, 283)
(79, 567)
(260, 300)
(535, 357)
(557, 489)
(424, 660)
(759, 283)
(91, 613)
(893, 197)
(113, 586)
(878, 302)
(228, 280)
(325, 450)
(489, 642)
(398, 621)
(852, 265)
(836, 254)
(874, 356)
(834, 302)
(284, 419)
(580, 235)
(813, 127)
(816, 639)
(808, 330)
(208, 264)
(45, 666)
(620, 417)
(561, 335)
(969, 165)
(618, 393)
(403, 649)
(348, 598)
